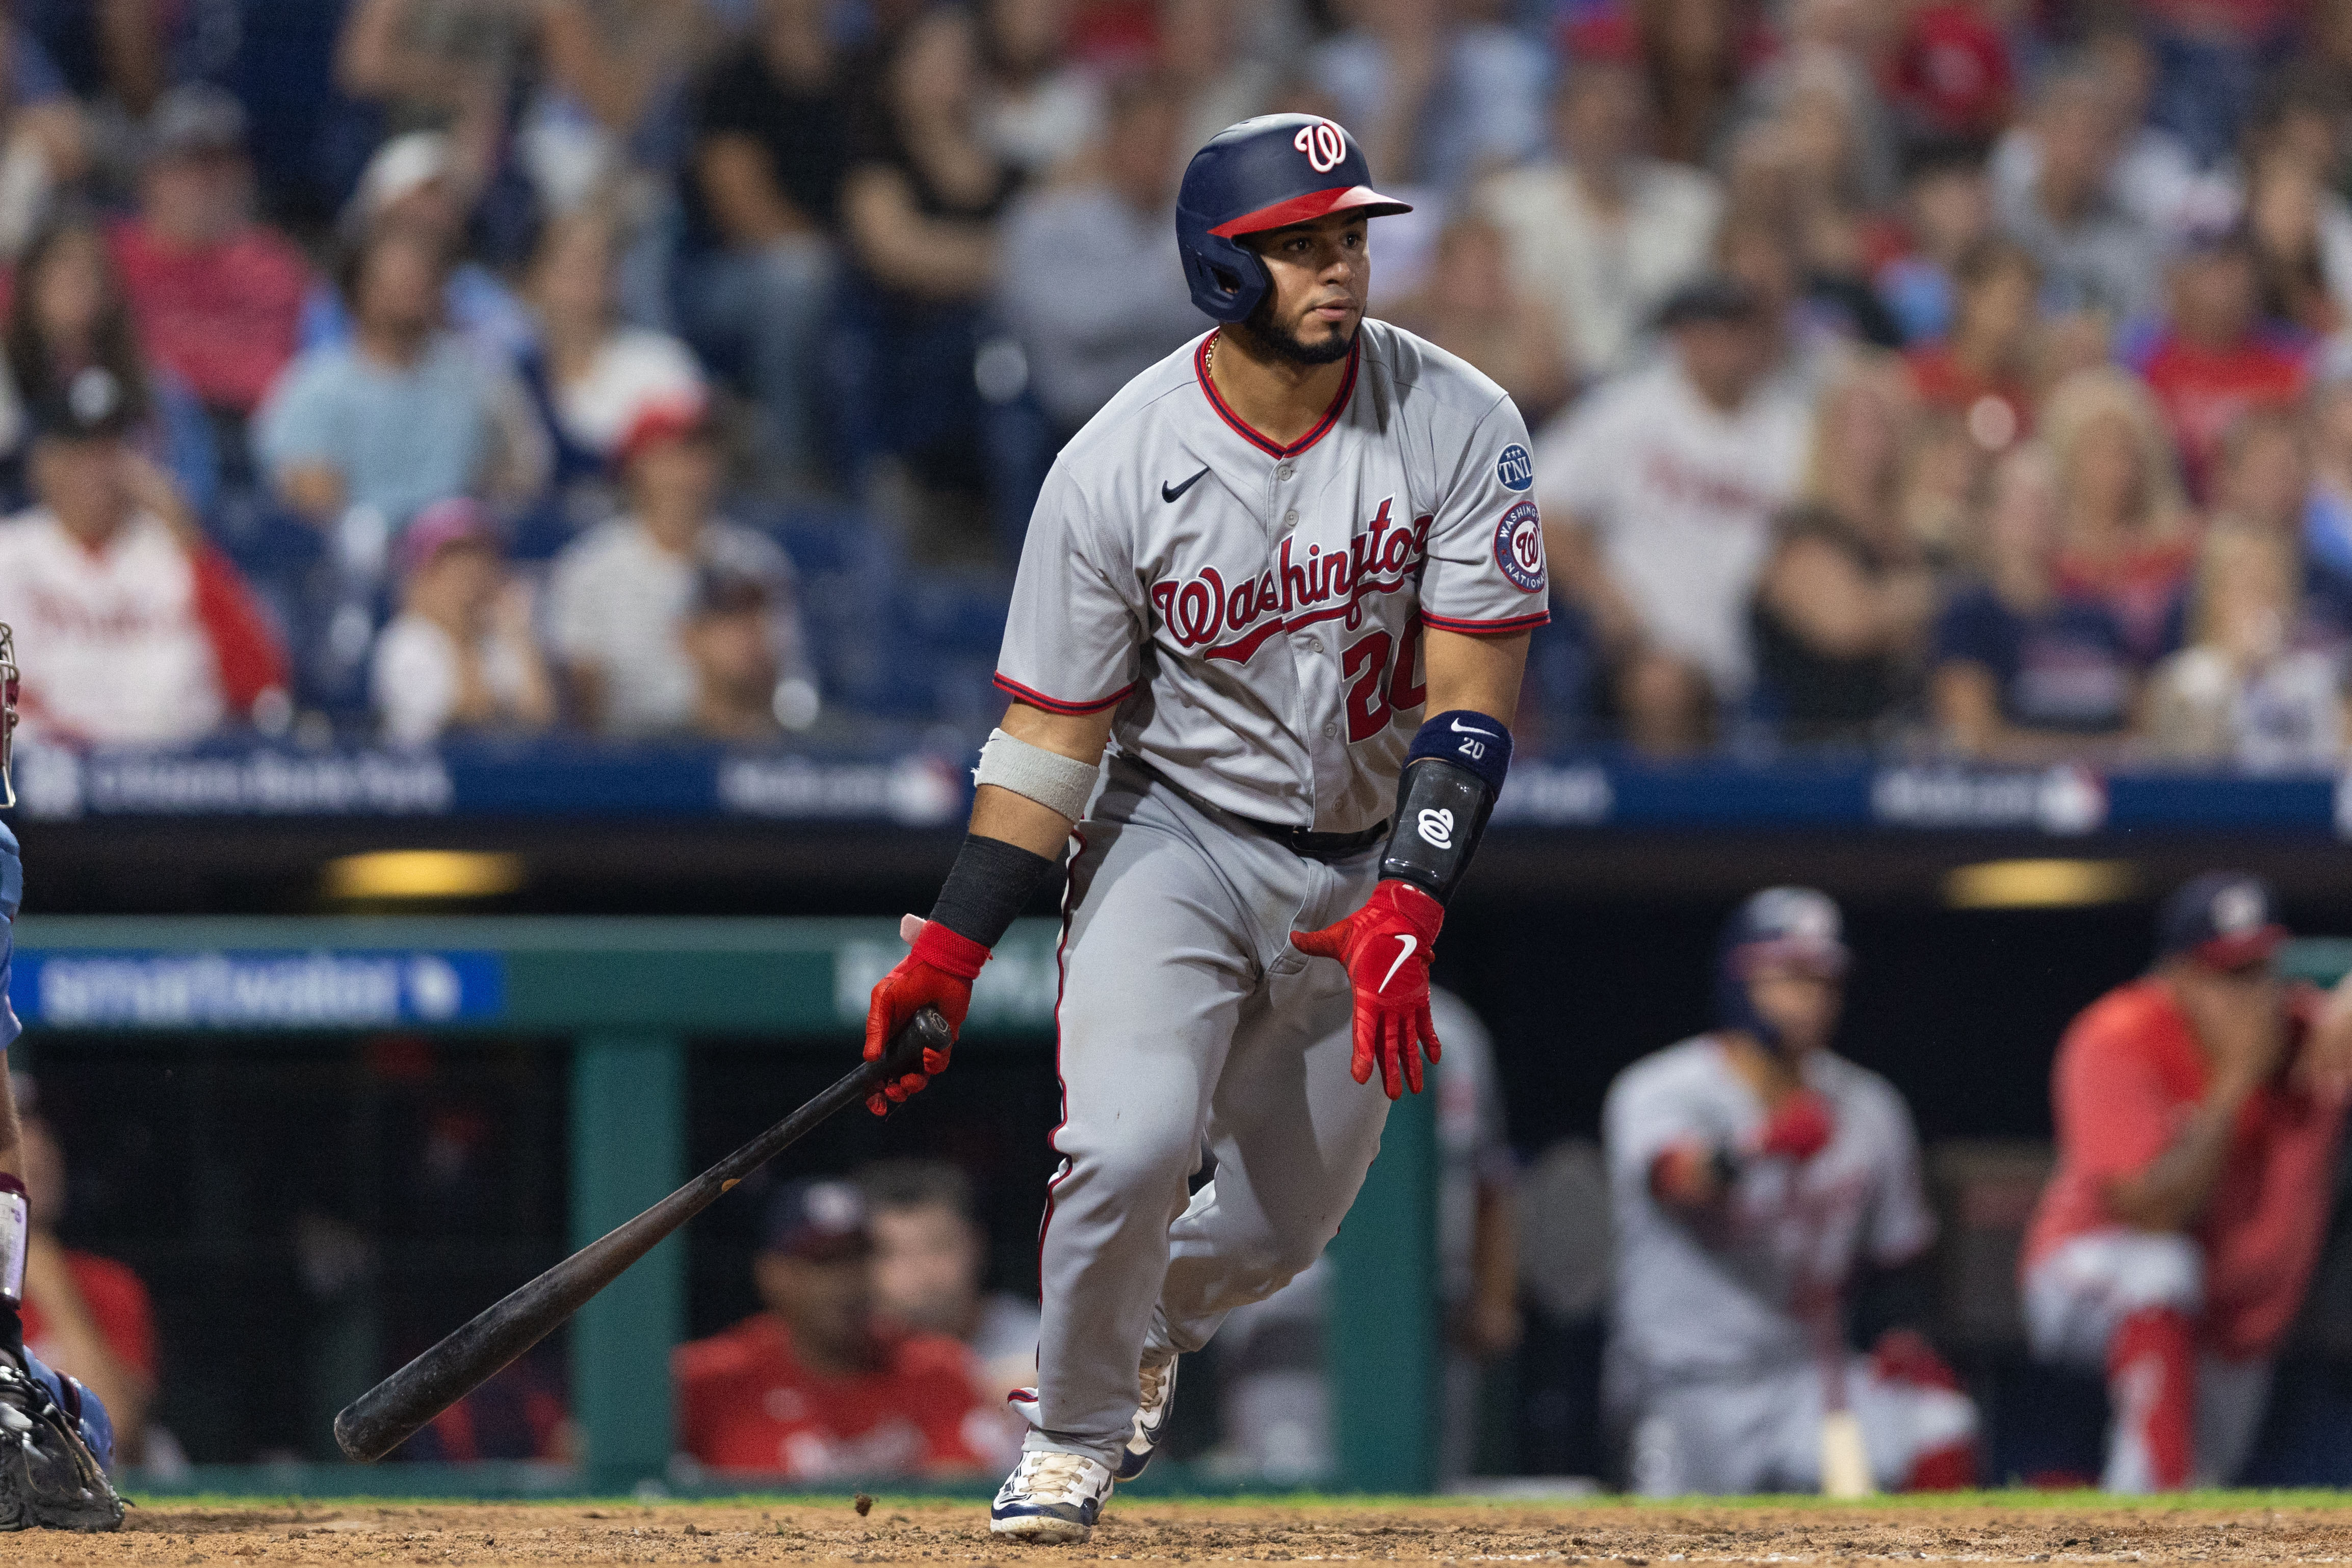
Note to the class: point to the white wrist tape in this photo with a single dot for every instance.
(15, 1225)
(1059, 784)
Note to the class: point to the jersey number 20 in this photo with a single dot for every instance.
(1378, 692)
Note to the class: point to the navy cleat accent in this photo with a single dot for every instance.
(1050, 1498)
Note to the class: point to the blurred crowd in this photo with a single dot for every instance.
(1963, 376)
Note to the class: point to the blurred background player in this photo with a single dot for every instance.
(2198, 1111)
(931, 1264)
(54, 1475)
(1753, 1174)
(85, 1315)
(814, 1387)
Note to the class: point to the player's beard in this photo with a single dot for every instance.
(1283, 344)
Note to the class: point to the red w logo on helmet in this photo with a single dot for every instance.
(1323, 145)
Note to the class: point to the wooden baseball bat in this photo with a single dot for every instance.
(386, 1416)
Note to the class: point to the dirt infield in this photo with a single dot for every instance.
(1989, 1530)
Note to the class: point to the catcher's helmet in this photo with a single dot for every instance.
(1267, 172)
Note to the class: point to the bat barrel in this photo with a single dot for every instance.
(394, 1410)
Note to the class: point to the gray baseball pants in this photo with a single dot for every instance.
(1188, 1019)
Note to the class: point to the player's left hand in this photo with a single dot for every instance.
(1386, 947)
(919, 980)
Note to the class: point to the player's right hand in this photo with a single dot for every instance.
(1385, 947)
(938, 973)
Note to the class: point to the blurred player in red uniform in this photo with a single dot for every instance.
(2199, 1109)
(814, 1387)
(83, 1314)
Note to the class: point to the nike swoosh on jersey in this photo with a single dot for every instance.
(1407, 943)
(1170, 492)
(1459, 728)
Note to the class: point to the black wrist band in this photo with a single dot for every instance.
(989, 886)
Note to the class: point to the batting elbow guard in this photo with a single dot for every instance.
(1451, 777)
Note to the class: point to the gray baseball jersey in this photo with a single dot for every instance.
(1742, 1292)
(1252, 610)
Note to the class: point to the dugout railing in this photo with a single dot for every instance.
(628, 994)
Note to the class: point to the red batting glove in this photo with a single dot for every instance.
(1798, 1129)
(1386, 947)
(938, 973)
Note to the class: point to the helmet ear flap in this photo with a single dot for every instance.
(1228, 278)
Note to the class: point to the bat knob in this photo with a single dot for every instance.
(349, 1438)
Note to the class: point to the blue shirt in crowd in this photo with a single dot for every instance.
(401, 439)
(2067, 668)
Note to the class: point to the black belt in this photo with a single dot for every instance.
(1314, 846)
(1300, 841)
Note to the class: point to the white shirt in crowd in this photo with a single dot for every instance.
(2287, 714)
(412, 676)
(1036, 129)
(109, 641)
(1680, 496)
(618, 601)
(2155, 178)
(1603, 280)
(633, 370)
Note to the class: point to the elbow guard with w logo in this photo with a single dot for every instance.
(1445, 796)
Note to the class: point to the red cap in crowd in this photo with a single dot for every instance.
(671, 419)
(1604, 34)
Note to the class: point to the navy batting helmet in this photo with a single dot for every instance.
(1267, 172)
(1794, 926)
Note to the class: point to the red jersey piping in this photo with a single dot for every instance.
(1484, 628)
(1054, 704)
(1322, 425)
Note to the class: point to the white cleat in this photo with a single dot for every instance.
(1050, 1498)
(1155, 1398)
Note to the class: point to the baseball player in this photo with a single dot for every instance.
(53, 1475)
(1750, 1171)
(2198, 1111)
(1286, 577)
